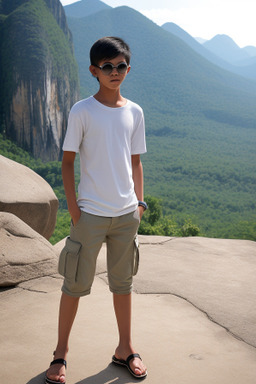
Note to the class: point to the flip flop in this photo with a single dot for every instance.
(126, 363)
(57, 361)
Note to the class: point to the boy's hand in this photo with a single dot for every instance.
(68, 175)
(76, 216)
(141, 211)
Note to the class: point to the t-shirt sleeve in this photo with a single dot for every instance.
(75, 131)
(138, 142)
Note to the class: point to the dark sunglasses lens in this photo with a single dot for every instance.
(107, 69)
(122, 67)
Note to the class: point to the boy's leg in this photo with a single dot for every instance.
(120, 259)
(67, 314)
(123, 311)
(90, 233)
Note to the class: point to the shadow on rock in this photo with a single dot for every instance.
(38, 379)
(111, 374)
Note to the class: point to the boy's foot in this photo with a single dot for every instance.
(133, 363)
(56, 374)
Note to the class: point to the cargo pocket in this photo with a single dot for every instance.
(136, 256)
(69, 259)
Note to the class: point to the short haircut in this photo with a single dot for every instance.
(109, 47)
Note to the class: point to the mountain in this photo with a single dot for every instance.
(195, 45)
(246, 67)
(200, 120)
(224, 47)
(199, 39)
(161, 63)
(38, 75)
(250, 50)
(85, 8)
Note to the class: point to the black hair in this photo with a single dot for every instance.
(109, 47)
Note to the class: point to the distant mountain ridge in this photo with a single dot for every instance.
(225, 47)
(193, 43)
(251, 50)
(116, 21)
(226, 53)
(84, 8)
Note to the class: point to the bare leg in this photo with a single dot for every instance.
(123, 311)
(67, 314)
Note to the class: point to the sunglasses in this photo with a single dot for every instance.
(107, 68)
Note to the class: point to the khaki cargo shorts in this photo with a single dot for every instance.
(77, 262)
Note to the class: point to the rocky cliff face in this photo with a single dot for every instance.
(39, 76)
(37, 115)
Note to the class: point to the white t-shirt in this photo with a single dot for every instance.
(105, 139)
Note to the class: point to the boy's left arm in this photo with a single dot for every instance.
(137, 175)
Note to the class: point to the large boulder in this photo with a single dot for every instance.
(25, 254)
(28, 196)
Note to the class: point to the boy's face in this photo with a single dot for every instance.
(117, 75)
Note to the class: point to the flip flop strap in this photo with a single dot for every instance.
(132, 356)
(59, 361)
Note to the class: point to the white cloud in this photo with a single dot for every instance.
(207, 21)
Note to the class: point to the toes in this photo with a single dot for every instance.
(138, 371)
(137, 367)
(56, 376)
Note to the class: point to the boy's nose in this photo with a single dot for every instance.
(114, 71)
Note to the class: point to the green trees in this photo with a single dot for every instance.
(154, 213)
(154, 223)
(183, 200)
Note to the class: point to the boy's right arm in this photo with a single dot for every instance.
(68, 176)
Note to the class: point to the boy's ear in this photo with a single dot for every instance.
(93, 71)
(128, 69)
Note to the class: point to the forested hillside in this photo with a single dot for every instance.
(153, 221)
(38, 75)
(200, 121)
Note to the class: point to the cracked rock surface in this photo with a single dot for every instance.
(193, 318)
(217, 276)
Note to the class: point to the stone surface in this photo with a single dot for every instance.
(189, 294)
(24, 254)
(216, 275)
(28, 196)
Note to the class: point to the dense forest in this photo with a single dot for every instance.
(153, 222)
(221, 208)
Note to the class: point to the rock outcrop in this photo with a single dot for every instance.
(28, 196)
(25, 254)
(217, 276)
(182, 333)
(38, 75)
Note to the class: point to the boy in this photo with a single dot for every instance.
(108, 132)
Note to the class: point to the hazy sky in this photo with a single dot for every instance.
(200, 18)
